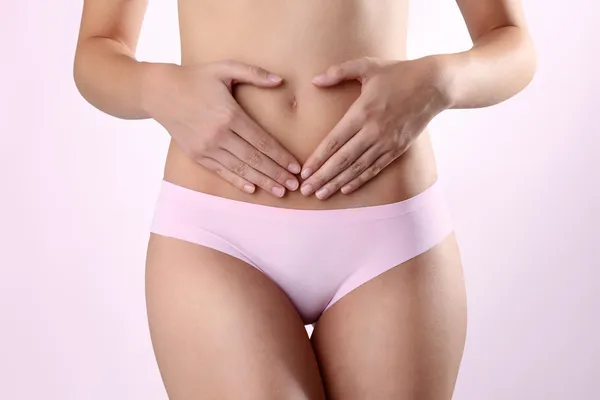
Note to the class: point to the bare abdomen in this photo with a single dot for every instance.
(298, 40)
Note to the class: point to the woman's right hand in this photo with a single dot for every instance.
(196, 106)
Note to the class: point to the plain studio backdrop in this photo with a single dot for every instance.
(78, 189)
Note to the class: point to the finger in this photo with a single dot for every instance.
(339, 162)
(245, 171)
(349, 70)
(347, 127)
(257, 160)
(252, 133)
(227, 175)
(354, 170)
(231, 71)
(383, 161)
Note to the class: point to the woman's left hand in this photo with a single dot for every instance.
(397, 101)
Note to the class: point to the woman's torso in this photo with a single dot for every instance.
(298, 40)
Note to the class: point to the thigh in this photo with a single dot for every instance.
(222, 330)
(399, 336)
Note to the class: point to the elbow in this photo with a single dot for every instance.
(82, 75)
(78, 71)
(522, 58)
(525, 73)
(529, 59)
(533, 62)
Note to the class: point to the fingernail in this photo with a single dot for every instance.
(306, 189)
(292, 184)
(278, 191)
(274, 78)
(345, 189)
(249, 188)
(306, 173)
(294, 168)
(322, 193)
(318, 79)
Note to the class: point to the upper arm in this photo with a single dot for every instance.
(482, 16)
(120, 20)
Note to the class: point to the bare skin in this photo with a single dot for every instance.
(222, 330)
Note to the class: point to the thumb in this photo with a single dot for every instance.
(231, 71)
(349, 70)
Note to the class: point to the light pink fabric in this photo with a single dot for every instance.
(315, 256)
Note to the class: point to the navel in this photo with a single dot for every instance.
(293, 102)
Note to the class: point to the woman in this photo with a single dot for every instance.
(301, 186)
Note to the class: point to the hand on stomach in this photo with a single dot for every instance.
(295, 113)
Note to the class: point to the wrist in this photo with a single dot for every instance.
(155, 80)
(443, 78)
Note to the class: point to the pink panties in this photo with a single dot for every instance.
(315, 256)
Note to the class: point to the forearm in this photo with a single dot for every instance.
(110, 78)
(500, 64)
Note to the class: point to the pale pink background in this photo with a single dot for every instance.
(78, 190)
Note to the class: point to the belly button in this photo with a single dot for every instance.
(293, 103)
